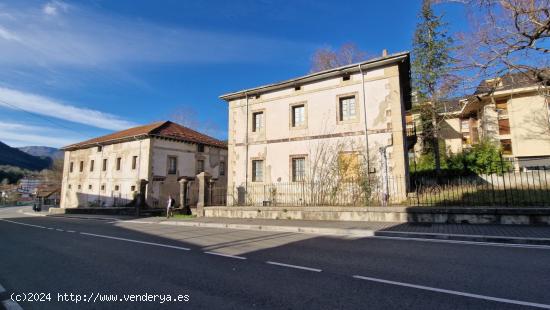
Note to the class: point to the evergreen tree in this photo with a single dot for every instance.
(430, 70)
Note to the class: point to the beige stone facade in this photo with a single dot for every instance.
(110, 173)
(517, 119)
(275, 129)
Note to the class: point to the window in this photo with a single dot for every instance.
(200, 166)
(200, 148)
(506, 145)
(172, 164)
(257, 121)
(298, 115)
(133, 188)
(347, 108)
(134, 162)
(465, 125)
(81, 166)
(104, 164)
(100, 148)
(388, 113)
(389, 126)
(91, 165)
(90, 186)
(118, 162)
(346, 78)
(70, 186)
(117, 187)
(71, 166)
(297, 88)
(103, 187)
(257, 170)
(348, 165)
(222, 168)
(504, 126)
(298, 169)
(79, 186)
(502, 107)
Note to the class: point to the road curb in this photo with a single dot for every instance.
(275, 228)
(459, 237)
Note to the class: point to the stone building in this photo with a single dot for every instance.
(277, 131)
(112, 169)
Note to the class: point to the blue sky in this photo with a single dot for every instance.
(72, 70)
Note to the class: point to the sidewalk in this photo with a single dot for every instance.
(517, 234)
(460, 232)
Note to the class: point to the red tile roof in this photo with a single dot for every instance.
(164, 129)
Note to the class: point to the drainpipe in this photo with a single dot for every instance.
(365, 116)
(246, 144)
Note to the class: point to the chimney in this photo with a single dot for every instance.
(384, 52)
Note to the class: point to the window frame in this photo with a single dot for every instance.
(339, 108)
(254, 123)
(169, 159)
(71, 167)
(222, 168)
(118, 163)
(253, 165)
(134, 162)
(92, 165)
(105, 164)
(198, 168)
(81, 166)
(292, 160)
(292, 109)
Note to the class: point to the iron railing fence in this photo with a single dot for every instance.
(499, 189)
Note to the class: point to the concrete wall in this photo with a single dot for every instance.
(279, 140)
(86, 186)
(529, 125)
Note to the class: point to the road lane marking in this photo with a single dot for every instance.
(294, 266)
(137, 241)
(11, 305)
(59, 229)
(225, 255)
(439, 290)
(71, 231)
(24, 224)
(481, 243)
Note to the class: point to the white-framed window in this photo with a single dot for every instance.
(257, 171)
(348, 108)
(298, 169)
(257, 121)
(298, 115)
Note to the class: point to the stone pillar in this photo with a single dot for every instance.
(203, 179)
(183, 195)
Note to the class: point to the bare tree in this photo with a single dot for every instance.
(326, 58)
(508, 36)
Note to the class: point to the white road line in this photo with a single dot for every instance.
(137, 241)
(294, 266)
(439, 290)
(50, 228)
(24, 224)
(71, 231)
(225, 255)
(509, 245)
(59, 229)
(11, 305)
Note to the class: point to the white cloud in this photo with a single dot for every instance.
(7, 35)
(21, 134)
(14, 99)
(86, 38)
(53, 8)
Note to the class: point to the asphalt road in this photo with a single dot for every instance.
(234, 269)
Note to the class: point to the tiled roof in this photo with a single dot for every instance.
(507, 81)
(164, 129)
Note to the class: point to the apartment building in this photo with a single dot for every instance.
(511, 111)
(113, 169)
(278, 132)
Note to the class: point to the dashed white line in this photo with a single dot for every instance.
(294, 266)
(11, 305)
(24, 224)
(59, 229)
(439, 290)
(137, 241)
(224, 255)
(49, 228)
(71, 231)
